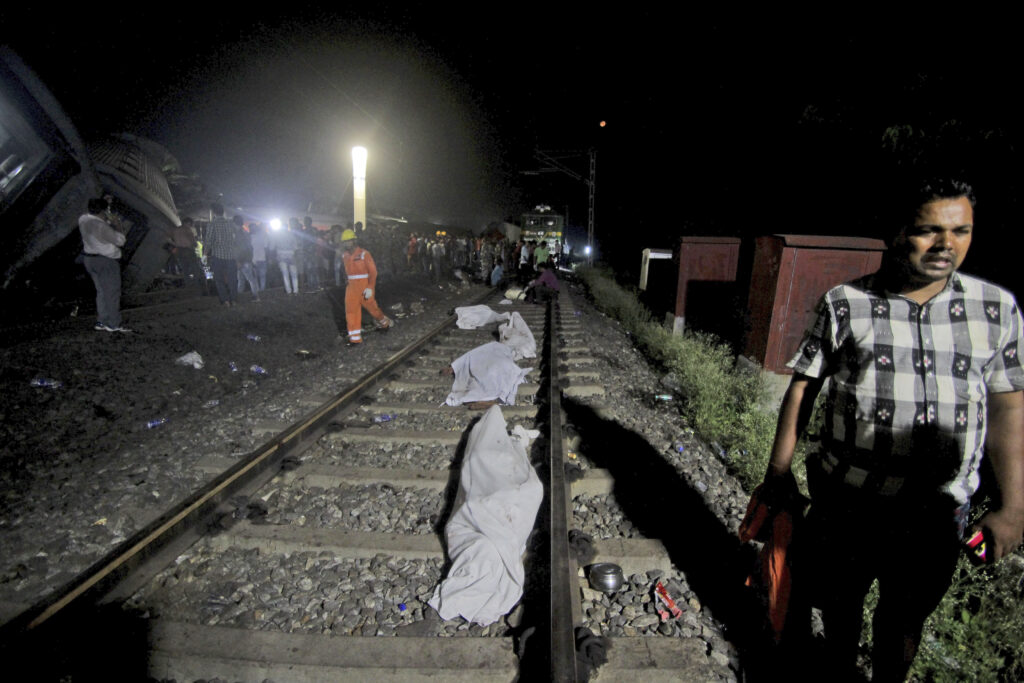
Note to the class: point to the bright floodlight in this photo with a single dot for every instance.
(586, 250)
(275, 224)
(359, 185)
(359, 162)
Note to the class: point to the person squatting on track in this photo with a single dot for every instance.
(361, 274)
(101, 246)
(544, 287)
(925, 376)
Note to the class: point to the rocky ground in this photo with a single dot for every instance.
(80, 470)
(80, 466)
(669, 485)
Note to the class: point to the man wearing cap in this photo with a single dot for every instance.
(361, 273)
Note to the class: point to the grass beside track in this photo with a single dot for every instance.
(976, 633)
(723, 403)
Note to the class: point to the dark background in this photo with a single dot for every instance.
(724, 123)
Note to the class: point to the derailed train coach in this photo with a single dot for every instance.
(48, 174)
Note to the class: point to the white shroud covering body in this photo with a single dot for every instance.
(486, 373)
(499, 494)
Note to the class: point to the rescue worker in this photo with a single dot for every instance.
(361, 273)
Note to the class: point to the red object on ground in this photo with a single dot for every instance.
(661, 596)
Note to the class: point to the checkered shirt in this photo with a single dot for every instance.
(909, 382)
(221, 238)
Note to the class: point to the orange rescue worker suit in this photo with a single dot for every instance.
(359, 293)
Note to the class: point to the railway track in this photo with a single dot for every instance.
(258, 578)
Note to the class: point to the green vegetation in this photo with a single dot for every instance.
(977, 632)
(724, 403)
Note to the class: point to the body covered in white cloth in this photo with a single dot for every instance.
(496, 507)
(516, 334)
(486, 373)
(472, 317)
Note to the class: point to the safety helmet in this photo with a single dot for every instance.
(347, 235)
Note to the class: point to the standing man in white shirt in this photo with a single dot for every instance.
(101, 245)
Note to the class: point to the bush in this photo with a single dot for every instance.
(977, 631)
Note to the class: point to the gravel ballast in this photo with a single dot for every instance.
(80, 471)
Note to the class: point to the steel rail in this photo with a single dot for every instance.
(103, 576)
(563, 645)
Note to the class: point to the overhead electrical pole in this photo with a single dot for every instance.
(590, 205)
(556, 165)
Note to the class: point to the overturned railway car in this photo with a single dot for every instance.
(48, 174)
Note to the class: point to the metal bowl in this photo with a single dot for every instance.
(605, 577)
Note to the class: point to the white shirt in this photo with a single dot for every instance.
(259, 246)
(98, 238)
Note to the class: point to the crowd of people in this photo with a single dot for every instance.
(310, 258)
(232, 253)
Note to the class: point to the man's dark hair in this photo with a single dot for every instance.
(942, 188)
(217, 209)
(97, 206)
(906, 196)
(238, 220)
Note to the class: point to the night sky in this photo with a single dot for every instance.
(716, 124)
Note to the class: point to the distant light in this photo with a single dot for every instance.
(603, 124)
(275, 224)
(586, 250)
(359, 162)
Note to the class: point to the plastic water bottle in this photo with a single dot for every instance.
(663, 397)
(46, 383)
(253, 337)
(384, 418)
(679, 447)
(234, 368)
(156, 423)
(257, 370)
(212, 403)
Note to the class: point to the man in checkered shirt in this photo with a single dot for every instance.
(222, 248)
(925, 378)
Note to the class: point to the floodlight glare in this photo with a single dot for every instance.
(359, 186)
(275, 224)
(586, 250)
(359, 162)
